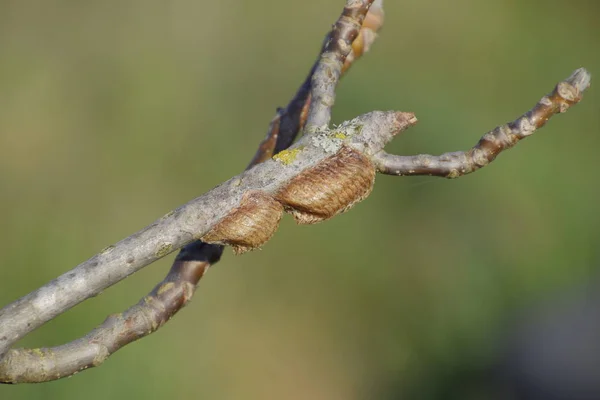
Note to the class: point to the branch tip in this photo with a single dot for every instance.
(404, 120)
(455, 164)
(581, 79)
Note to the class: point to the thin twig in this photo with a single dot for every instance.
(329, 69)
(118, 330)
(456, 164)
(289, 121)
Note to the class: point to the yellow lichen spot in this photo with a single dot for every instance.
(163, 250)
(453, 174)
(38, 352)
(169, 214)
(164, 288)
(286, 157)
(107, 249)
(115, 317)
(236, 182)
(148, 300)
(339, 135)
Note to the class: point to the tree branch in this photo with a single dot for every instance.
(170, 295)
(118, 330)
(243, 212)
(325, 173)
(456, 164)
(329, 68)
(289, 121)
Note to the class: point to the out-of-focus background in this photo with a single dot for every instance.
(114, 112)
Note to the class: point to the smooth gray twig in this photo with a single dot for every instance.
(329, 68)
(456, 164)
(118, 330)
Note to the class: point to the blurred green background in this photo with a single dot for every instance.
(114, 112)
